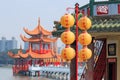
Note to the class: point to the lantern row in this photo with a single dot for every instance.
(84, 38)
(67, 37)
(67, 21)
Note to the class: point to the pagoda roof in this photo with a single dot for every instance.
(32, 54)
(47, 55)
(100, 24)
(30, 39)
(38, 30)
(37, 39)
(13, 55)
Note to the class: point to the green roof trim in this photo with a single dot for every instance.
(105, 25)
(98, 25)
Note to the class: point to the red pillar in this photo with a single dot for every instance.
(48, 46)
(76, 57)
(41, 47)
(74, 62)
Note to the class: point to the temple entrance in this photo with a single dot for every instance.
(112, 68)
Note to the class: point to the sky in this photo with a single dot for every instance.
(17, 14)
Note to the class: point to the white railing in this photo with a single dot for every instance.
(54, 69)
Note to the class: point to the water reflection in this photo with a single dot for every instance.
(27, 78)
(6, 74)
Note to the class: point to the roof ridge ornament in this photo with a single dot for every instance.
(38, 21)
(39, 27)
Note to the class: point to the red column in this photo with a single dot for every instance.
(41, 47)
(48, 46)
(76, 57)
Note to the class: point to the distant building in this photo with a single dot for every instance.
(8, 44)
(59, 50)
(26, 45)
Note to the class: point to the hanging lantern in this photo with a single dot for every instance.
(67, 21)
(67, 37)
(85, 54)
(68, 53)
(84, 38)
(84, 23)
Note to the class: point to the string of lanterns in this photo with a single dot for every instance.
(67, 37)
(84, 38)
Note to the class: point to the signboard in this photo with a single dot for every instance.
(112, 60)
(102, 9)
(112, 49)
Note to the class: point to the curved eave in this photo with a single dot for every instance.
(36, 55)
(46, 55)
(13, 55)
(49, 39)
(29, 39)
(23, 55)
(36, 31)
(32, 54)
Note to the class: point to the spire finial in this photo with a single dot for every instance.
(38, 20)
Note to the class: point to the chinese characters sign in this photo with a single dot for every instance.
(103, 9)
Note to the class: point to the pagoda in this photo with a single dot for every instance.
(41, 44)
(42, 50)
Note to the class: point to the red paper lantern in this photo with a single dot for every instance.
(67, 37)
(68, 53)
(85, 54)
(67, 21)
(84, 23)
(84, 38)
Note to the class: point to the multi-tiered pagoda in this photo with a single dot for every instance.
(42, 50)
(41, 44)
